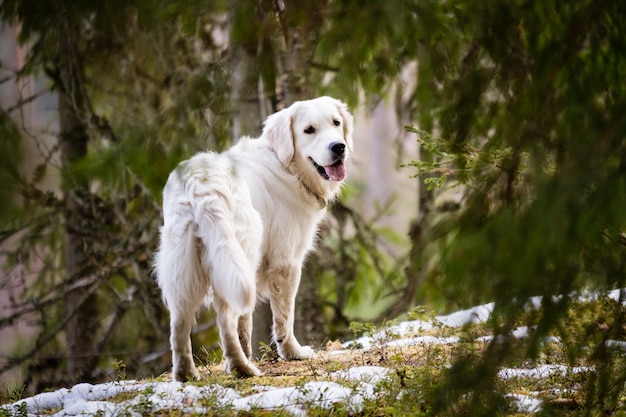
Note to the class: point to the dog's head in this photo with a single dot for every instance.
(313, 139)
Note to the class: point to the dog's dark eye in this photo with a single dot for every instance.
(309, 130)
(336, 122)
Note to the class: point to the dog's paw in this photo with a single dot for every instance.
(305, 352)
(242, 370)
(184, 375)
(294, 352)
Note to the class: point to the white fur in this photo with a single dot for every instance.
(238, 225)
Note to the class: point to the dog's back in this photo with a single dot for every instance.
(208, 236)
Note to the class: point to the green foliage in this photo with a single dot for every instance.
(267, 352)
(11, 391)
(120, 369)
(526, 113)
(439, 164)
(368, 56)
(549, 175)
(352, 274)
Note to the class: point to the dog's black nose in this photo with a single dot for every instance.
(337, 148)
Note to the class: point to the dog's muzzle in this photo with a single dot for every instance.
(337, 170)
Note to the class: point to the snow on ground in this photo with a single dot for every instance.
(542, 371)
(91, 400)
(351, 387)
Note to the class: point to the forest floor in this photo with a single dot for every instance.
(388, 370)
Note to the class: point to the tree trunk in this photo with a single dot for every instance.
(281, 62)
(245, 94)
(81, 307)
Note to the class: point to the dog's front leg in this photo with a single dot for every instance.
(283, 286)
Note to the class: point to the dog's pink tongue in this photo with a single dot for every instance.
(336, 172)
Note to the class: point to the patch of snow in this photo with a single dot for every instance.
(89, 408)
(619, 344)
(170, 395)
(473, 315)
(367, 378)
(325, 393)
(541, 371)
(423, 340)
(414, 326)
(369, 374)
(41, 402)
(534, 303)
(518, 333)
(74, 398)
(615, 295)
(87, 399)
(294, 399)
(363, 342)
(478, 314)
(526, 403)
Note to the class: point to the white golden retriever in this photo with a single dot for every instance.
(238, 225)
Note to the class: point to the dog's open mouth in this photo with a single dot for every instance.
(335, 172)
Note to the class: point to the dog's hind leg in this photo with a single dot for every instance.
(184, 286)
(237, 360)
(184, 369)
(245, 334)
(183, 307)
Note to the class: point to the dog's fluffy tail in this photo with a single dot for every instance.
(231, 267)
(178, 269)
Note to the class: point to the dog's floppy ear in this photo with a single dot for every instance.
(278, 131)
(348, 123)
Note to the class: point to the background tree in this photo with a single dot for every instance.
(525, 112)
(141, 86)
